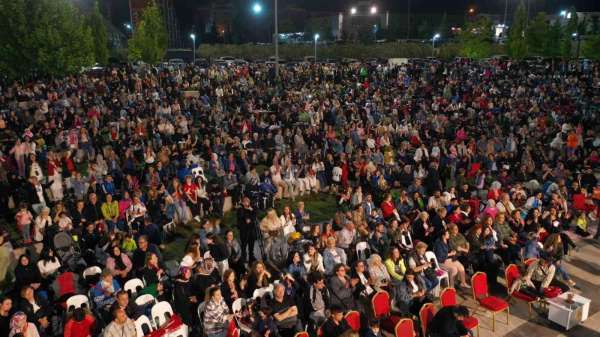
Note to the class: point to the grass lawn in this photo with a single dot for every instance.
(321, 207)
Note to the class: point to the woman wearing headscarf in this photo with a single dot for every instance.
(26, 273)
(119, 264)
(20, 326)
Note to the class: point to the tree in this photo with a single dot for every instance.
(590, 47)
(150, 38)
(537, 35)
(516, 44)
(43, 37)
(570, 27)
(476, 38)
(99, 34)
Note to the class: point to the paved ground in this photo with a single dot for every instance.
(584, 268)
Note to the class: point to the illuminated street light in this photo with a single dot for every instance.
(435, 37)
(316, 38)
(574, 35)
(563, 13)
(193, 37)
(374, 10)
(257, 8)
(353, 10)
(127, 25)
(471, 10)
(569, 15)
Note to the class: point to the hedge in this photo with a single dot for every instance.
(359, 51)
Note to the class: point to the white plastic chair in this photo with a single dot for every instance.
(132, 285)
(91, 271)
(140, 323)
(441, 274)
(77, 301)
(144, 299)
(260, 292)
(361, 250)
(159, 313)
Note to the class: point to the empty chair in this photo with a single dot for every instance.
(382, 310)
(440, 273)
(144, 299)
(91, 275)
(425, 316)
(491, 303)
(161, 313)
(405, 328)
(143, 326)
(133, 286)
(352, 318)
(302, 334)
(77, 301)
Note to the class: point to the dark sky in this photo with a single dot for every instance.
(184, 7)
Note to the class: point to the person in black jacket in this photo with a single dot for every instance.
(185, 301)
(37, 310)
(131, 308)
(93, 209)
(335, 325)
(140, 254)
(447, 322)
(218, 251)
(27, 273)
(246, 224)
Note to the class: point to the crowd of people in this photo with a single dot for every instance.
(461, 165)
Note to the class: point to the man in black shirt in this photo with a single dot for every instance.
(335, 325)
(285, 312)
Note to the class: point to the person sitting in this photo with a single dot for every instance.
(342, 289)
(538, 278)
(335, 325)
(447, 322)
(121, 326)
(81, 324)
(103, 292)
(411, 294)
(285, 312)
(131, 308)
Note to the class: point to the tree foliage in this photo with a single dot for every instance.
(517, 44)
(590, 48)
(569, 27)
(538, 34)
(43, 37)
(476, 38)
(150, 38)
(99, 34)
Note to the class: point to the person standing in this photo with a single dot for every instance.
(246, 224)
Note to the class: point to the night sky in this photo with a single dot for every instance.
(185, 8)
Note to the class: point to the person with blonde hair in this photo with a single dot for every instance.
(332, 255)
(378, 271)
(271, 224)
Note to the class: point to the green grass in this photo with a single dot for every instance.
(322, 207)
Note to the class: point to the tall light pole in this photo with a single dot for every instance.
(257, 9)
(435, 37)
(505, 12)
(276, 44)
(193, 37)
(316, 39)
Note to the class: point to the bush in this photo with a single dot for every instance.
(358, 51)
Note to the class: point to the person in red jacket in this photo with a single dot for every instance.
(80, 325)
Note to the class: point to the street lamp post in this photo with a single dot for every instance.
(316, 39)
(257, 9)
(193, 37)
(435, 37)
(505, 12)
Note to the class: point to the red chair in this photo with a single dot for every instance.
(302, 334)
(448, 299)
(353, 320)
(382, 310)
(405, 328)
(529, 261)
(425, 316)
(232, 329)
(511, 273)
(492, 304)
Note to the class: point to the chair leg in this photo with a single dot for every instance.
(507, 314)
(493, 321)
(478, 335)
